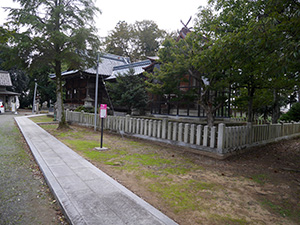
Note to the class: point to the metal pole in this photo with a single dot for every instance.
(34, 96)
(96, 94)
(101, 145)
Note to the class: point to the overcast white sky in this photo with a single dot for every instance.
(165, 13)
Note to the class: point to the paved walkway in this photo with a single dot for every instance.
(86, 194)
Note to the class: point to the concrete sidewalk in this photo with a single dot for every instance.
(85, 193)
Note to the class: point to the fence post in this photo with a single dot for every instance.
(249, 126)
(121, 124)
(138, 122)
(150, 125)
(221, 138)
(180, 128)
(67, 115)
(212, 137)
(205, 136)
(133, 130)
(81, 116)
(108, 123)
(159, 129)
(174, 131)
(116, 125)
(164, 129)
(199, 135)
(154, 132)
(127, 119)
(192, 134)
(169, 130)
(130, 125)
(142, 126)
(146, 127)
(186, 132)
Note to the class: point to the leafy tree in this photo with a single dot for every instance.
(55, 32)
(20, 81)
(128, 92)
(135, 41)
(149, 38)
(5, 34)
(46, 86)
(196, 56)
(261, 41)
(231, 26)
(23, 82)
(121, 40)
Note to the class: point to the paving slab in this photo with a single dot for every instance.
(86, 194)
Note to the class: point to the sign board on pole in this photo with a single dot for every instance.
(103, 111)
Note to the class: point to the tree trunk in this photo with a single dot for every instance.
(59, 91)
(206, 104)
(59, 96)
(250, 104)
(210, 116)
(276, 107)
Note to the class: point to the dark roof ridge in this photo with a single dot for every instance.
(140, 63)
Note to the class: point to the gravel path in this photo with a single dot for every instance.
(24, 196)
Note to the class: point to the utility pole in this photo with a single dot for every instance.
(34, 96)
(96, 93)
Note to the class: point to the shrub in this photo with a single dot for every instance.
(82, 108)
(293, 114)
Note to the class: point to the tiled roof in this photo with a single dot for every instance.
(5, 79)
(137, 67)
(108, 62)
(106, 65)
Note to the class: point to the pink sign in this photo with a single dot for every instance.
(103, 111)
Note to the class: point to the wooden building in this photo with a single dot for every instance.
(79, 85)
(8, 98)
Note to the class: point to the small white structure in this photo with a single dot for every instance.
(10, 99)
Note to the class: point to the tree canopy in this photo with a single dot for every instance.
(135, 41)
(128, 92)
(259, 36)
(54, 33)
(196, 56)
(251, 46)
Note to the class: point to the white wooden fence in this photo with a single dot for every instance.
(220, 140)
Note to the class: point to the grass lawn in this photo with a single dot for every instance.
(42, 119)
(189, 188)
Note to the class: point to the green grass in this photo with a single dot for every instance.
(227, 220)
(135, 143)
(146, 159)
(74, 134)
(82, 145)
(179, 169)
(49, 126)
(284, 212)
(147, 165)
(182, 196)
(149, 174)
(260, 178)
(41, 119)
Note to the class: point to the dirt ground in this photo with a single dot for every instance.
(260, 186)
(25, 197)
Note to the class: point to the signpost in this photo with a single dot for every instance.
(103, 114)
(103, 111)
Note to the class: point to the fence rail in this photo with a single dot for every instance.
(220, 139)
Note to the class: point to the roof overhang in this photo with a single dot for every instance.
(9, 93)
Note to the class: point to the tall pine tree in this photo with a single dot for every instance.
(55, 33)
